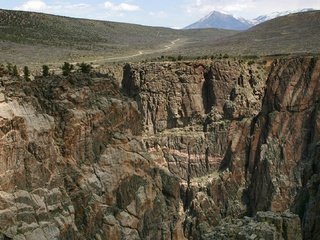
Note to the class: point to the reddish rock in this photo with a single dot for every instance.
(170, 153)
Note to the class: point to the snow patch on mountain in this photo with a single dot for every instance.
(223, 20)
(273, 15)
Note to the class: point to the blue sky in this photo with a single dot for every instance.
(167, 13)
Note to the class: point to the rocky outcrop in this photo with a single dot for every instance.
(178, 150)
(197, 119)
(72, 167)
(265, 225)
(175, 95)
(284, 150)
(188, 110)
(246, 145)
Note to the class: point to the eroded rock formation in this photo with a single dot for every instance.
(170, 151)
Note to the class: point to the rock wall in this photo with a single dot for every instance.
(284, 151)
(197, 119)
(265, 225)
(170, 151)
(73, 168)
(242, 138)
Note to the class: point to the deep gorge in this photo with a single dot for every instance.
(204, 149)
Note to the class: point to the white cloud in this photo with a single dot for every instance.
(33, 5)
(198, 7)
(77, 6)
(122, 7)
(60, 8)
(202, 7)
(159, 14)
(237, 7)
(245, 8)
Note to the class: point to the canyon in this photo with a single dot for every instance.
(204, 149)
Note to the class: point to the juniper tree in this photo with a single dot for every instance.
(10, 68)
(66, 68)
(15, 72)
(26, 73)
(45, 70)
(85, 67)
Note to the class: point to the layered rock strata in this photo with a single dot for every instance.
(170, 151)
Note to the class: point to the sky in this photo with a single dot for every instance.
(166, 13)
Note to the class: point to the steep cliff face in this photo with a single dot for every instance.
(176, 95)
(72, 168)
(240, 141)
(170, 153)
(284, 151)
(197, 119)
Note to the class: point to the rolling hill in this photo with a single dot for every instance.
(294, 33)
(291, 34)
(37, 37)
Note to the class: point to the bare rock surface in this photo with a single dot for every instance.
(265, 225)
(179, 150)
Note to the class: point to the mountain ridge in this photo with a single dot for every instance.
(281, 35)
(219, 20)
(266, 17)
(216, 19)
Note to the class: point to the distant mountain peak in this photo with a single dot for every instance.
(276, 14)
(218, 19)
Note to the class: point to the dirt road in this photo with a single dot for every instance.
(142, 52)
